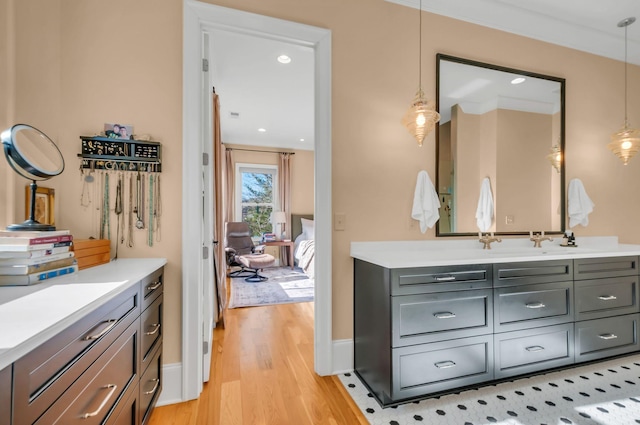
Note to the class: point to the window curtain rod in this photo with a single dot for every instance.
(258, 150)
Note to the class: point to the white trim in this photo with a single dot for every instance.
(198, 17)
(171, 384)
(342, 356)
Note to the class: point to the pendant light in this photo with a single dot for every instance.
(421, 117)
(555, 157)
(626, 142)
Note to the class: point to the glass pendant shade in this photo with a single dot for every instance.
(555, 157)
(421, 117)
(625, 143)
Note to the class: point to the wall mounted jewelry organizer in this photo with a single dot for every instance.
(104, 153)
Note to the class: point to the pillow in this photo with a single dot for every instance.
(307, 228)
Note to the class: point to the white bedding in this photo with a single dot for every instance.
(304, 255)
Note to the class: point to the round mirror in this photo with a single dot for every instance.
(34, 156)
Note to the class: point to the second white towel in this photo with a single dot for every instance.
(426, 203)
(484, 212)
(580, 205)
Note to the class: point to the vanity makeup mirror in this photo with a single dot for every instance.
(500, 123)
(34, 156)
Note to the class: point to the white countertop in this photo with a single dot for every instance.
(30, 315)
(402, 254)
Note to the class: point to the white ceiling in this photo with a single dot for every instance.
(279, 98)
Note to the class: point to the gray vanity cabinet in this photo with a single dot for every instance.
(5, 396)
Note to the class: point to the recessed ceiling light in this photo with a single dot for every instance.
(262, 130)
(302, 140)
(284, 59)
(518, 80)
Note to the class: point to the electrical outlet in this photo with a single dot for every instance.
(509, 219)
(339, 221)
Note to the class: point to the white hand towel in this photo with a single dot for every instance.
(484, 212)
(426, 203)
(580, 205)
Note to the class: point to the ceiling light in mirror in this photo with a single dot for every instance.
(262, 130)
(518, 80)
(284, 59)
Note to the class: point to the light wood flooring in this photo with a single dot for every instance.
(262, 373)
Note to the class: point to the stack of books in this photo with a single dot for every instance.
(28, 257)
(268, 237)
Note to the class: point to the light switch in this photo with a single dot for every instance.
(509, 219)
(339, 221)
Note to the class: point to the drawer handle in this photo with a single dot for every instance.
(155, 387)
(534, 348)
(445, 278)
(608, 297)
(444, 365)
(156, 326)
(111, 322)
(153, 286)
(104, 402)
(445, 315)
(608, 336)
(535, 305)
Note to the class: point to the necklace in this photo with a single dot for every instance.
(131, 208)
(150, 227)
(157, 209)
(118, 210)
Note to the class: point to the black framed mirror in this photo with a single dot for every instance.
(508, 125)
(34, 156)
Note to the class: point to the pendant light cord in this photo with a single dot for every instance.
(420, 48)
(626, 120)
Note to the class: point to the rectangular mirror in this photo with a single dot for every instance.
(505, 124)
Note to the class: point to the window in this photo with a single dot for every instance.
(256, 187)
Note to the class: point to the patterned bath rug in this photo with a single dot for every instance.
(283, 286)
(606, 393)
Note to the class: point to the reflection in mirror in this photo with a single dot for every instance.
(503, 124)
(34, 156)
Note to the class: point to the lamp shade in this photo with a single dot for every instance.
(278, 217)
(625, 143)
(421, 117)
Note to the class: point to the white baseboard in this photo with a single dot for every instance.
(342, 352)
(171, 385)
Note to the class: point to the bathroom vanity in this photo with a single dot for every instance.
(84, 348)
(433, 317)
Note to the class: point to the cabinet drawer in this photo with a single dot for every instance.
(440, 279)
(151, 330)
(151, 385)
(594, 268)
(606, 297)
(425, 318)
(41, 376)
(152, 286)
(507, 274)
(93, 398)
(127, 411)
(5, 396)
(531, 350)
(429, 368)
(606, 337)
(527, 306)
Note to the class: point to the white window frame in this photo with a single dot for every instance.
(257, 168)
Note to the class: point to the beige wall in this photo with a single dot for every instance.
(121, 61)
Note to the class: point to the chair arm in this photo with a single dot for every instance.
(259, 249)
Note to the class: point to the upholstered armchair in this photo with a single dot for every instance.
(241, 252)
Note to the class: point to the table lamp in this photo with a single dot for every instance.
(279, 218)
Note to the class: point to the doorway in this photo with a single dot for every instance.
(198, 19)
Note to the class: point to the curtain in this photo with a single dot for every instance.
(229, 190)
(220, 257)
(284, 190)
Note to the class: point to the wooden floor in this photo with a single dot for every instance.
(262, 373)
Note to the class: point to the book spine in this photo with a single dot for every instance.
(39, 277)
(36, 259)
(15, 270)
(40, 240)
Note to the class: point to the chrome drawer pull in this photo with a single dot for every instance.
(535, 305)
(156, 326)
(445, 278)
(153, 286)
(534, 348)
(104, 402)
(445, 315)
(444, 365)
(111, 322)
(155, 387)
(608, 297)
(608, 336)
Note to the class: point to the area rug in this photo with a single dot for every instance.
(283, 286)
(606, 393)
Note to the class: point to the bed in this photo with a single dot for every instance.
(302, 230)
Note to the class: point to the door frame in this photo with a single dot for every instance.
(197, 18)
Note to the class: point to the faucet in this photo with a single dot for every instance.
(487, 239)
(538, 239)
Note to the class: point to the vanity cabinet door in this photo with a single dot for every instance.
(595, 268)
(528, 306)
(426, 318)
(5, 396)
(150, 385)
(531, 350)
(606, 297)
(595, 339)
(151, 330)
(523, 273)
(424, 280)
(429, 368)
